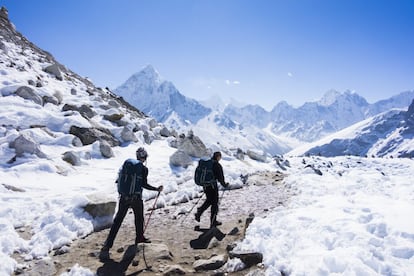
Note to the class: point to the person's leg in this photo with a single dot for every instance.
(138, 208)
(214, 209)
(119, 217)
(209, 191)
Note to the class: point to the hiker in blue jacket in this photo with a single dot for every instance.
(132, 200)
(211, 191)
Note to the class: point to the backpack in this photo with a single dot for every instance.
(130, 178)
(204, 174)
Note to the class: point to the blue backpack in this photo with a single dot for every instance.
(204, 174)
(130, 178)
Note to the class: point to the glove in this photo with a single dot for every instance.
(160, 188)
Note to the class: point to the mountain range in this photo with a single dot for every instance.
(51, 90)
(276, 132)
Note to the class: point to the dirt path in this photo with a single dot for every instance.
(263, 193)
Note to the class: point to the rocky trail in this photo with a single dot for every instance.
(170, 232)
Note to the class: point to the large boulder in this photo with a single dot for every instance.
(192, 145)
(102, 209)
(54, 70)
(90, 135)
(128, 135)
(257, 155)
(28, 93)
(25, 144)
(180, 159)
(106, 149)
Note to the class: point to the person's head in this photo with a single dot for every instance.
(141, 154)
(217, 156)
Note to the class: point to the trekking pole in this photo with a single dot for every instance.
(152, 210)
(189, 212)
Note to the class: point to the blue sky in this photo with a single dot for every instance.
(258, 52)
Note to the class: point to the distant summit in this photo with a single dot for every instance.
(158, 98)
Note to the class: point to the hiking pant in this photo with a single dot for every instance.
(212, 198)
(125, 202)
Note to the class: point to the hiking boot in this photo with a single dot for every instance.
(144, 240)
(216, 223)
(197, 217)
(104, 254)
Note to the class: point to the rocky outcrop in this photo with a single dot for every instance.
(90, 135)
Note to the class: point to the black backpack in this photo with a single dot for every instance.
(204, 174)
(130, 178)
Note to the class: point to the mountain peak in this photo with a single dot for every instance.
(329, 97)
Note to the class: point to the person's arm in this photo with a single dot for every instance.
(218, 174)
(145, 181)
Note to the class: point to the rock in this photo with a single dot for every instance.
(159, 251)
(127, 135)
(25, 144)
(100, 205)
(113, 117)
(258, 156)
(164, 132)
(72, 158)
(211, 264)
(180, 159)
(90, 135)
(84, 110)
(50, 99)
(29, 94)
(54, 70)
(172, 270)
(106, 149)
(43, 267)
(12, 188)
(249, 259)
(193, 146)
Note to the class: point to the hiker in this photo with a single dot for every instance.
(211, 191)
(132, 198)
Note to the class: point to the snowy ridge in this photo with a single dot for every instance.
(275, 132)
(387, 134)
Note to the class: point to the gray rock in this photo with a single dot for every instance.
(90, 135)
(106, 149)
(29, 94)
(192, 145)
(25, 144)
(258, 156)
(211, 264)
(54, 70)
(164, 132)
(180, 159)
(72, 158)
(100, 205)
(249, 259)
(127, 135)
(84, 110)
(159, 251)
(172, 270)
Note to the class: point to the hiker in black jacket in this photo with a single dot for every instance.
(211, 191)
(133, 201)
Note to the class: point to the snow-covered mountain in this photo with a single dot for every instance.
(44, 104)
(390, 133)
(158, 98)
(275, 132)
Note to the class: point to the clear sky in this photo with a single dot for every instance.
(258, 52)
